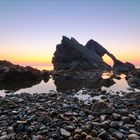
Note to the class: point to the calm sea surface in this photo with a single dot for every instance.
(45, 87)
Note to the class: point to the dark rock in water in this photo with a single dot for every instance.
(134, 80)
(46, 75)
(108, 82)
(70, 54)
(9, 71)
(14, 77)
(120, 67)
(136, 73)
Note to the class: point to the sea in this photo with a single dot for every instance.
(120, 86)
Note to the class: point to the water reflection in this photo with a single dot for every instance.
(108, 84)
(67, 85)
(13, 86)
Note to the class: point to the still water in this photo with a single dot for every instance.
(61, 86)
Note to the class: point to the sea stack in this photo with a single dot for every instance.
(71, 55)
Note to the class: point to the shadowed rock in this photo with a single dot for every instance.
(120, 67)
(134, 79)
(11, 72)
(71, 55)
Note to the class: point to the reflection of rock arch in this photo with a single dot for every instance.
(68, 85)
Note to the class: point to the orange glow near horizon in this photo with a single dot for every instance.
(42, 60)
(31, 54)
(28, 60)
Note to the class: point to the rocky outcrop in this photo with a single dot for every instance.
(134, 79)
(120, 67)
(11, 72)
(72, 55)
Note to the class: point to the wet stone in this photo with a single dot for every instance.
(88, 137)
(3, 137)
(104, 136)
(77, 137)
(133, 137)
(116, 116)
(38, 137)
(118, 135)
(64, 132)
(116, 124)
(10, 130)
(78, 131)
(126, 119)
(70, 128)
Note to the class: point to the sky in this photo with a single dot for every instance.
(30, 29)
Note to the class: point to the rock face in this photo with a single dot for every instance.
(11, 72)
(134, 80)
(120, 67)
(70, 54)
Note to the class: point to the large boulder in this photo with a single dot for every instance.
(134, 79)
(120, 67)
(11, 72)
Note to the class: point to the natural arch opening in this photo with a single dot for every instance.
(108, 60)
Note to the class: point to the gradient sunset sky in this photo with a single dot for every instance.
(30, 29)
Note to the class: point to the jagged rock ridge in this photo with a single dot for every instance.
(71, 55)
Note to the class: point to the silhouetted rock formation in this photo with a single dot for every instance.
(9, 72)
(70, 54)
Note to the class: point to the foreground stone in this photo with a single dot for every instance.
(61, 116)
(133, 137)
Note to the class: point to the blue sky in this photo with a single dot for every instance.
(30, 29)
